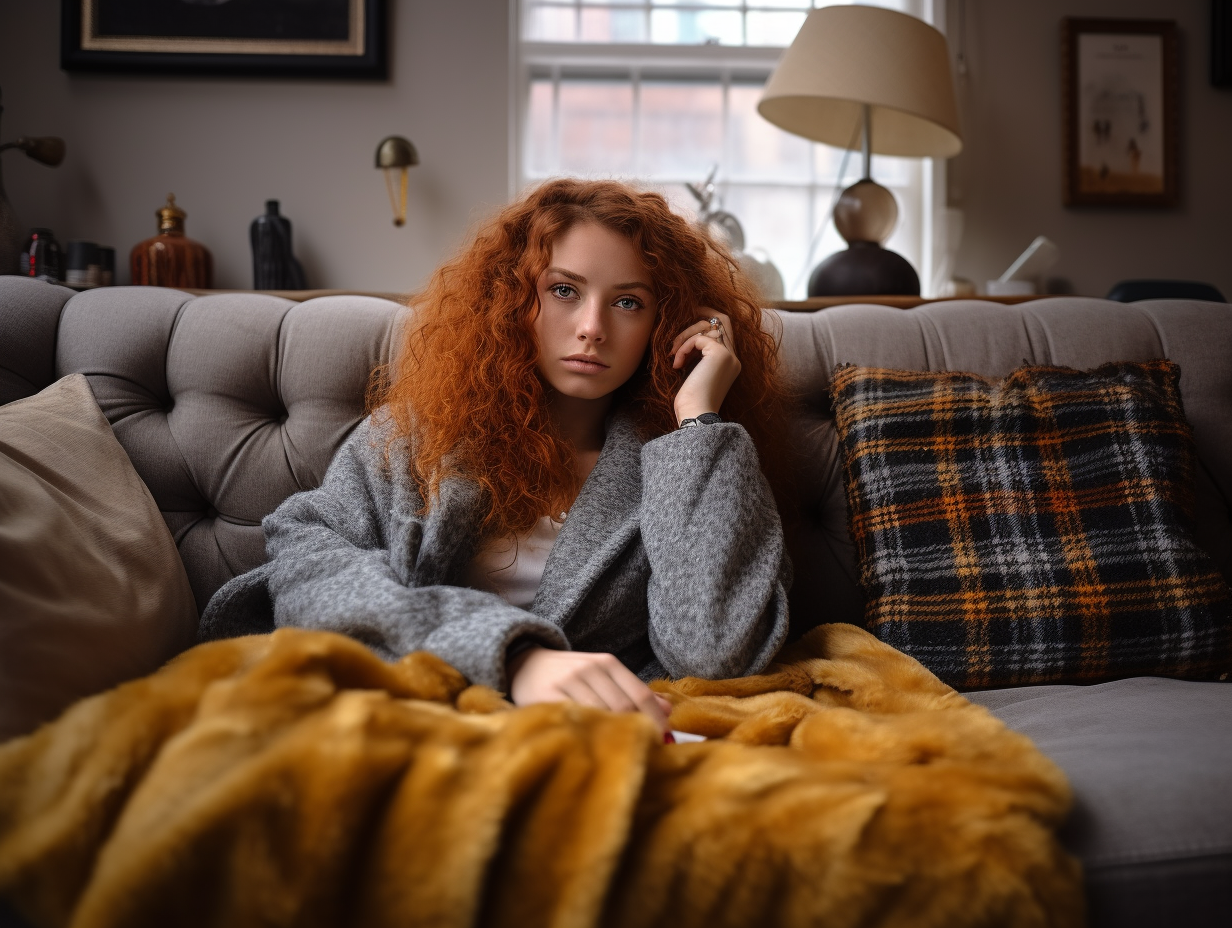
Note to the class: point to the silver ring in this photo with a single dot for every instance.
(714, 323)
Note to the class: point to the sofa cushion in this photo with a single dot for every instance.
(990, 340)
(92, 591)
(1148, 761)
(1036, 529)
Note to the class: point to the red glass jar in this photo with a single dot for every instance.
(171, 258)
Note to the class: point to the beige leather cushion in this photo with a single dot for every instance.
(92, 591)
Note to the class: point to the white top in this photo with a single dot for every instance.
(513, 567)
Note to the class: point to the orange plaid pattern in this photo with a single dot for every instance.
(1036, 529)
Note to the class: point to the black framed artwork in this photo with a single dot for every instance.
(1121, 84)
(1221, 43)
(304, 38)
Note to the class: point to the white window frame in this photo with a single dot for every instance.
(528, 58)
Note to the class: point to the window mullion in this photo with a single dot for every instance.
(725, 167)
(556, 119)
(636, 77)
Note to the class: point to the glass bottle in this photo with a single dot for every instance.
(171, 258)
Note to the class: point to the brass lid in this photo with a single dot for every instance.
(171, 217)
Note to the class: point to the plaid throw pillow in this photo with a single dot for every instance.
(1032, 530)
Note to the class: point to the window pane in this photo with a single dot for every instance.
(780, 4)
(550, 24)
(828, 161)
(903, 6)
(887, 170)
(670, 27)
(682, 128)
(774, 28)
(539, 143)
(759, 149)
(894, 172)
(596, 127)
(775, 221)
(613, 26)
(695, 2)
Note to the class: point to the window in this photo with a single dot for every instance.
(661, 91)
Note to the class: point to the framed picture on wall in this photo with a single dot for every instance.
(284, 38)
(1120, 85)
(1221, 43)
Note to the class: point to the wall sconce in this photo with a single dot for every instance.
(396, 154)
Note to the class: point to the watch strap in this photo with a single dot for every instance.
(706, 418)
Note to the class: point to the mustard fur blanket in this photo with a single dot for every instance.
(296, 779)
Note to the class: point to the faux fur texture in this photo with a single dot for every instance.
(296, 779)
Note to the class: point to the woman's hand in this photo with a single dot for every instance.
(543, 675)
(717, 367)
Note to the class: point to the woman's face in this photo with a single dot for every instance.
(596, 312)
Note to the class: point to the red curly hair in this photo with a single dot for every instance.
(465, 390)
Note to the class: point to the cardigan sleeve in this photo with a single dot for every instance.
(717, 596)
(343, 559)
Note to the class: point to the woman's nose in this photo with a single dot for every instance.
(590, 325)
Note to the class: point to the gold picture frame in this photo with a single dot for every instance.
(311, 38)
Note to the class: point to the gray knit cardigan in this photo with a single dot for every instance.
(671, 558)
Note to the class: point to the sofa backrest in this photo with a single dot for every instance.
(229, 403)
(226, 404)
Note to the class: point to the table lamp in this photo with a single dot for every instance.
(887, 74)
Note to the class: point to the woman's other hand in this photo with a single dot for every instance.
(600, 680)
(708, 342)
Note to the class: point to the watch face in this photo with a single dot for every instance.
(709, 418)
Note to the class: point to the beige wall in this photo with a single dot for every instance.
(226, 145)
(1008, 181)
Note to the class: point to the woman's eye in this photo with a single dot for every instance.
(627, 302)
(563, 291)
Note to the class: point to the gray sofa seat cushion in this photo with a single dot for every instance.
(1150, 763)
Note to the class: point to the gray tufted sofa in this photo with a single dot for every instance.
(229, 403)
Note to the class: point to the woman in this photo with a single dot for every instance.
(545, 495)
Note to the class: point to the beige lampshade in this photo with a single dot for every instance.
(847, 56)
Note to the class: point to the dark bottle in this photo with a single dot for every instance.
(42, 257)
(273, 265)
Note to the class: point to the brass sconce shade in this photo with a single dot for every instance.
(48, 149)
(396, 154)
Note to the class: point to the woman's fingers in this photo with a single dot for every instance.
(700, 343)
(598, 680)
(722, 334)
(640, 694)
(581, 692)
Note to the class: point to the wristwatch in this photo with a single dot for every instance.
(706, 418)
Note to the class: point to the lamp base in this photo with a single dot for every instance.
(864, 269)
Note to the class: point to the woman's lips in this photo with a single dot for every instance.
(582, 364)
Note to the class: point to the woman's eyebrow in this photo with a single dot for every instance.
(578, 278)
